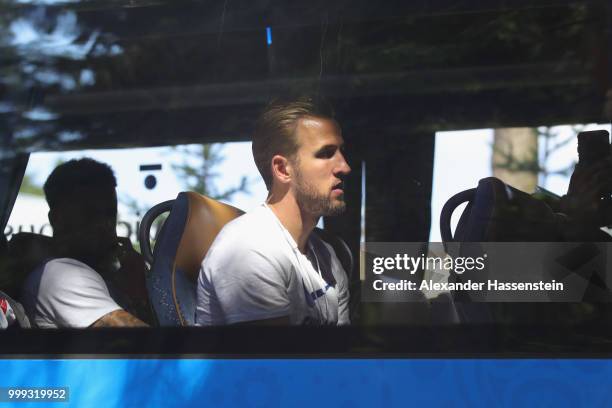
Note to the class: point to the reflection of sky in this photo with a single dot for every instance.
(39, 114)
(46, 2)
(30, 35)
(460, 160)
(34, 40)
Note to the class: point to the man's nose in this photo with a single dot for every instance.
(343, 166)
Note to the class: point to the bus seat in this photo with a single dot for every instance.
(183, 241)
(497, 212)
(181, 245)
(25, 251)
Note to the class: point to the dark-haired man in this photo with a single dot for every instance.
(71, 290)
(267, 266)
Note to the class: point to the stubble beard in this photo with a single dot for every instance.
(310, 201)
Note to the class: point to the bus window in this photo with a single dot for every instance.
(145, 177)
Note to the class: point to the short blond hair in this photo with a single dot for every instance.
(275, 130)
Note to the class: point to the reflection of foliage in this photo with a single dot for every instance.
(48, 43)
(47, 50)
(139, 210)
(550, 142)
(507, 160)
(198, 172)
(499, 38)
(134, 206)
(56, 53)
(28, 186)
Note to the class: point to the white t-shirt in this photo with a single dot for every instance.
(65, 292)
(254, 271)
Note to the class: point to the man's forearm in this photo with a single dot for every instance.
(119, 318)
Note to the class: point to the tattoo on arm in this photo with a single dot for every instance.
(119, 318)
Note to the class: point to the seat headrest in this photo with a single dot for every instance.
(205, 218)
(497, 212)
(25, 252)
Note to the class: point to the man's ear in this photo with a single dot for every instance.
(281, 169)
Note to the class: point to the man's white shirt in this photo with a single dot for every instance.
(254, 271)
(65, 292)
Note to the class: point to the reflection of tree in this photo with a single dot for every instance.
(515, 157)
(46, 50)
(534, 160)
(510, 162)
(492, 38)
(552, 142)
(45, 44)
(137, 209)
(104, 70)
(198, 172)
(28, 186)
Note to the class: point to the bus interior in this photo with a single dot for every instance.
(167, 93)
